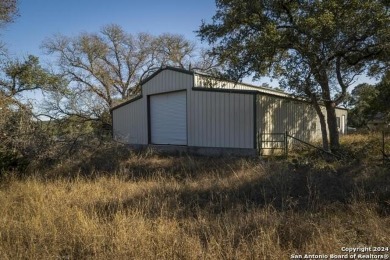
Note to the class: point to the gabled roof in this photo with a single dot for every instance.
(181, 70)
(143, 82)
(236, 86)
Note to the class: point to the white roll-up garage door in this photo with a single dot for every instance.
(168, 118)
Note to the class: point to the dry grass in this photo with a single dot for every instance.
(161, 207)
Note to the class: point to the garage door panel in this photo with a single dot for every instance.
(168, 118)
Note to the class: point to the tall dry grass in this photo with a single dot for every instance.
(163, 207)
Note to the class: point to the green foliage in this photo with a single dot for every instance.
(258, 35)
(12, 162)
(367, 101)
(27, 75)
(21, 139)
(363, 99)
(382, 100)
(14, 128)
(8, 11)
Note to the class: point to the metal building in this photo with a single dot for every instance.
(191, 111)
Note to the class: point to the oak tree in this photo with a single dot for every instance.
(105, 68)
(8, 12)
(22, 139)
(370, 101)
(362, 101)
(19, 76)
(316, 48)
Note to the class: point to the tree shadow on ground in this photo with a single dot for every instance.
(137, 166)
(287, 188)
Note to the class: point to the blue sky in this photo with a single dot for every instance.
(40, 19)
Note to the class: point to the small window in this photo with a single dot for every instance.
(338, 121)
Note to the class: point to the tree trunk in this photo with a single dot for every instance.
(317, 107)
(322, 79)
(324, 132)
(332, 125)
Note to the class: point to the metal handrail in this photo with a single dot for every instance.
(285, 141)
(313, 146)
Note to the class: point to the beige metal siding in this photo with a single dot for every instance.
(217, 119)
(299, 119)
(130, 123)
(340, 113)
(167, 81)
(278, 115)
(220, 119)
